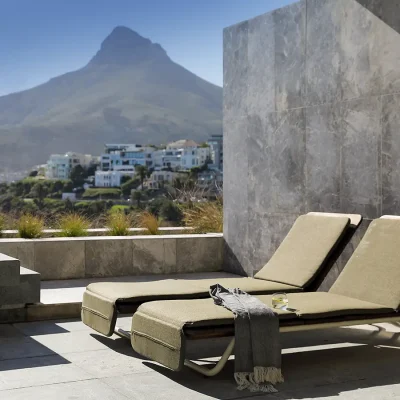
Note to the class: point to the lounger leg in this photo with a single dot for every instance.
(122, 333)
(218, 367)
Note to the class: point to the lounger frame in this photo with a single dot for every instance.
(206, 371)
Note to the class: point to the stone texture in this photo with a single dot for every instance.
(261, 65)
(22, 249)
(361, 151)
(59, 259)
(323, 149)
(323, 51)
(235, 66)
(202, 255)
(154, 256)
(290, 55)
(361, 63)
(9, 271)
(109, 257)
(331, 144)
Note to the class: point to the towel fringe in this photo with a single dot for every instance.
(261, 380)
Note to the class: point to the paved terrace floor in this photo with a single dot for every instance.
(66, 360)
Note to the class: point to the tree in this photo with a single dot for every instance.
(137, 196)
(142, 171)
(129, 185)
(33, 174)
(77, 176)
(124, 178)
(170, 211)
(39, 192)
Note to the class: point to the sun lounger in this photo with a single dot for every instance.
(367, 291)
(310, 248)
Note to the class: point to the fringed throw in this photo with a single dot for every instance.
(257, 341)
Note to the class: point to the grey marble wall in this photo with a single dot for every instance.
(311, 120)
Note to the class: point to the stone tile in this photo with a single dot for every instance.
(92, 389)
(38, 371)
(323, 147)
(235, 56)
(50, 327)
(361, 185)
(202, 255)
(391, 154)
(168, 385)
(112, 257)
(154, 256)
(261, 65)
(266, 233)
(60, 259)
(108, 363)
(21, 347)
(323, 51)
(360, 52)
(235, 193)
(79, 341)
(260, 178)
(290, 56)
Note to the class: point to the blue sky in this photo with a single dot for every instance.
(40, 39)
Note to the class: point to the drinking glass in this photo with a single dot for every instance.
(279, 300)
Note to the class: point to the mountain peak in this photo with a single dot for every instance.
(123, 46)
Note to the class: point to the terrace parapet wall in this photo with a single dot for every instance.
(111, 256)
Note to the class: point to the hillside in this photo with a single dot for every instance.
(130, 91)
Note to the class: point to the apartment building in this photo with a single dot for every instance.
(59, 166)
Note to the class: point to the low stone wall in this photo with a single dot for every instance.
(90, 257)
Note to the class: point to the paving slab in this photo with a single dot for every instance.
(38, 371)
(82, 390)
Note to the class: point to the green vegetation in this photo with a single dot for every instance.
(118, 224)
(166, 209)
(130, 185)
(205, 217)
(30, 226)
(73, 225)
(118, 208)
(104, 193)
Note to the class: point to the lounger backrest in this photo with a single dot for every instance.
(373, 272)
(305, 249)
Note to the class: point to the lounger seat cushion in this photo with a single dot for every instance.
(318, 305)
(373, 272)
(304, 250)
(250, 285)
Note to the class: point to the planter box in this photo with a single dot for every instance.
(107, 256)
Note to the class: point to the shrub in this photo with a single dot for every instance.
(118, 224)
(2, 224)
(150, 222)
(205, 217)
(73, 225)
(93, 193)
(30, 226)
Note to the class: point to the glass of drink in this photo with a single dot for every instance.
(279, 300)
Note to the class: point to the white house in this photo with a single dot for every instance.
(181, 155)
(59, 166)
(158, 178)
(124, 157)
(111, 178)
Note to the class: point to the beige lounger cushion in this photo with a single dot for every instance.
(250, 285)
(304, 250)
(157, 327)
(373, 272)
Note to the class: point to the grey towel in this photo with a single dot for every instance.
(257, 342)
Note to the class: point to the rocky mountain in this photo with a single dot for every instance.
(130, 91)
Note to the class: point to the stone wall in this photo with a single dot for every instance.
(311, 121)
(92, 257)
